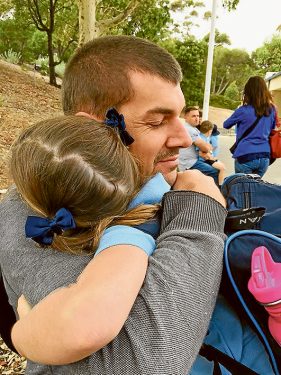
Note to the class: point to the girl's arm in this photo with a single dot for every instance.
(74, 322)
(233, 119)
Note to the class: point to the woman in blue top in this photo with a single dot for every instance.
(252, 154)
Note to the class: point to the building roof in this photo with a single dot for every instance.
(272, 76)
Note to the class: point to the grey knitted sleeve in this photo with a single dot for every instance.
(169, 319)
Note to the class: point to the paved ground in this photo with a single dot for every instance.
(273, 173)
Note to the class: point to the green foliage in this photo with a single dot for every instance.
(220, 38)
(268, 57)
(11, 56)
(220, 101)
(232, 92)
(43, 63)
(150, 20)
(27, 28)
(188, 8)
(59, 69)
(230, 65)
(230, 4)
(191, 55)
(21, 38)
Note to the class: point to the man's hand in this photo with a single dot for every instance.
(206, 155)
(194, 180)
(23, 307)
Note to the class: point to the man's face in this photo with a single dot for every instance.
(192, 118)
(152, 119)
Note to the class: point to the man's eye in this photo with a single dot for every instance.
(158, 124)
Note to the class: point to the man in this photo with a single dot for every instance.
(170, 317)
(189, 157)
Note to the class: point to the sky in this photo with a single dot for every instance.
(249, 26)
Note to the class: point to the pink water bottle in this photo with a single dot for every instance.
(265, 286)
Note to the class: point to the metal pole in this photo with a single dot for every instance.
(209, 63)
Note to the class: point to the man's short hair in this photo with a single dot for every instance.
(189, 109)
(97, 76)
(206, 126)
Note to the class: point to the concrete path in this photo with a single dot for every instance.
(273, 173)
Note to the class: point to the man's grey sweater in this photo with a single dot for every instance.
(170, 317)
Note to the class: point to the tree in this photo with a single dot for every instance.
(220, 39)
(22, 39)
(95, 17)
(232, 92)
(230, 65)
(150, 20)
(43, 14)
(58, 23)
(191, 55)
(57, 19)
(268, 57)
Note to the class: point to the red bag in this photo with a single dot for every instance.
(275, 143)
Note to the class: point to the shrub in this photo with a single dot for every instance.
(11, 56)
(42, 64)
(221, 101)
(60, 69)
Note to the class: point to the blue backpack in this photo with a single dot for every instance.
(254, 219)
(237, 257)
(252, 204)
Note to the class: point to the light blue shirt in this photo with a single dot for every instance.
(151, 193)
(189, 155)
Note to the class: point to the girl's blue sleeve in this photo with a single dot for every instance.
(233, 119)
(126, 235)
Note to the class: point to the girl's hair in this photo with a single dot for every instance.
(257, 94)
(79, 164)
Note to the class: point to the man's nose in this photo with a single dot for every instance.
(180, 136)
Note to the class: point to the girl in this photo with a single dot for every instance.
(79, 177)
(252, 154)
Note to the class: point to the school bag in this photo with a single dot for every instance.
(253, 220)
(252, 204)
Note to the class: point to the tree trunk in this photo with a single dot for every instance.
(87, 21)
(52, 73)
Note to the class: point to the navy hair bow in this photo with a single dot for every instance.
(42, 230)
(116, 120)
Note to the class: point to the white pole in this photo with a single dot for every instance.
(209, 63)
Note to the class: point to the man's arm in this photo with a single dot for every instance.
(170, 317)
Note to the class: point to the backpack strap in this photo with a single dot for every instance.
(218, 357)
(246, 132)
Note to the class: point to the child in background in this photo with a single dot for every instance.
(206, 129)
(214, 140)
